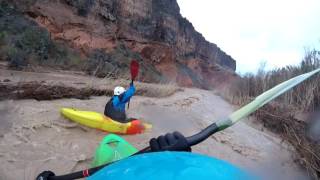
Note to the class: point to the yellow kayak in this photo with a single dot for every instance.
(99, 121)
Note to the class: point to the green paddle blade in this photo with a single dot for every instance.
(112, 148)
(263, 99)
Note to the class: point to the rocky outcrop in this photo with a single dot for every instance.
(154, 30)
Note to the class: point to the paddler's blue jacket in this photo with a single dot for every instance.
(116, 106)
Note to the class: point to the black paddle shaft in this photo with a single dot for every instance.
(192, 140)
(195, 139)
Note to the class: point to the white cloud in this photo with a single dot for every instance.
(252, 31)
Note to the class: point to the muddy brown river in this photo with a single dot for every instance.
(34, 137)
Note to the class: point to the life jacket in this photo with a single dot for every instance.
(114, 113)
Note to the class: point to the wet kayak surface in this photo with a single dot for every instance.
(37, 138)
(171, 166)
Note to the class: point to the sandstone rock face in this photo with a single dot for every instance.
(154, 29)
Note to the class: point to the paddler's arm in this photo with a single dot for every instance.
(125, 97)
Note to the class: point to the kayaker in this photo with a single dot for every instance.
(116, 106)
(169, 142)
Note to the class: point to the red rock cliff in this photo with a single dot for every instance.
(165, 42)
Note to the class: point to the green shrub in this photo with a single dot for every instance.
(97, 62)
(3, 36)
(17, 59)
(83, 6)
(35, 41)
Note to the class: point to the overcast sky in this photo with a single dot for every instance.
(251, 31)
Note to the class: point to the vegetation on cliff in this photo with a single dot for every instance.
(24, 43)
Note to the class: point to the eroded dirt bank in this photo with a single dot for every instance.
(49, 85)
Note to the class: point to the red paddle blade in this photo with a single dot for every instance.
(134, 68)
